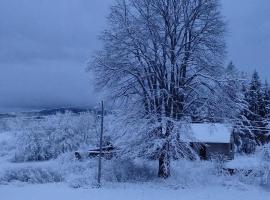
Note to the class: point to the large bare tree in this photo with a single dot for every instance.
(165, 57)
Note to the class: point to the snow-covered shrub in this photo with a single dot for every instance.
(15, 123)
(248, 146)
(129, 170)
(84, 173)
(219, 161)
(253, 169)
(47, 138)
(249, 176)
(187, 173)
(77, 173)
(4, 126)
(7, 145)
(30, 175)
(264, 154)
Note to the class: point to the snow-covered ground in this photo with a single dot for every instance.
(190, 180)
(129, 192)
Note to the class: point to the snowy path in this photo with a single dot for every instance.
(129, 192)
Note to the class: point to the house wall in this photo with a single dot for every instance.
(225, 149)
(214, 149)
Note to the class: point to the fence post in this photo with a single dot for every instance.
(100, 145)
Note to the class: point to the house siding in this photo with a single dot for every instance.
(213, 150)
(223, 149)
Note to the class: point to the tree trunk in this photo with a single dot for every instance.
(164, 164)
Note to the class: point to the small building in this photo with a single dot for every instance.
(212, 140)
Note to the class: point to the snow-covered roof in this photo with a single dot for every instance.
(215, 133)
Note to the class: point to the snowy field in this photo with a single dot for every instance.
(129, 192)
(63, 177)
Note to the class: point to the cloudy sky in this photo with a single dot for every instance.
(45, 45)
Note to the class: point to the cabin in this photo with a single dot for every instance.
(212, 140)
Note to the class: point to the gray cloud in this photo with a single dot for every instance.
(249, 31)
(44, 47)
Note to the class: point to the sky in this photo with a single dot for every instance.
(45, 46)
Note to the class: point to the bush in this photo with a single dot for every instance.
(187, 173)
(119, 170)
(84, 173)
(256, 169)
(47, 138)
(30, 175)
(264, 154)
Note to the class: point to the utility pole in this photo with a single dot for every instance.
(100, 144)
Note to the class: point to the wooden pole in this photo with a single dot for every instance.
(100, 145)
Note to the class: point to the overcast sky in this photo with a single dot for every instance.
(45, 45)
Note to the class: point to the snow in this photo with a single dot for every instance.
(205, 132)
(78, 177)
(244, 162)
(5, 136)
(6, 139)
(129, 192)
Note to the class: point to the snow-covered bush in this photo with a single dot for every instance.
(77, 173)
(30, 175)
(248, 146)
(84, 173)
(184, 173)
(47, 138)
(129, 170)
(264, 155)
(187, 173)
(253, 169)
(7, 145)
